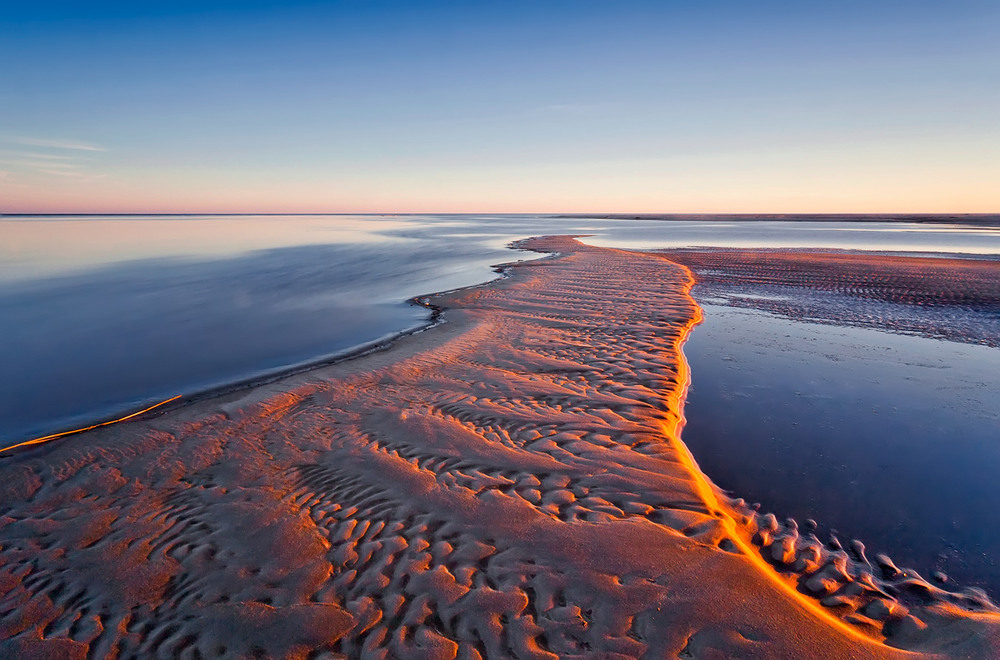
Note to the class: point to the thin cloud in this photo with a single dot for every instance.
(53, 144)
(34, 159)
(40, 164)
(11, 153)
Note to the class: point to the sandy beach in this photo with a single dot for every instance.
(509, 483)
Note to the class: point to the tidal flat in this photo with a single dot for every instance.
(515, 481)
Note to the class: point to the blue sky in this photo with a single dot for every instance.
(500, 106)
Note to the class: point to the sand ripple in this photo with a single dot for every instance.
(951, 298)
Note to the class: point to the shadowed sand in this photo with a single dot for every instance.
(507, 484)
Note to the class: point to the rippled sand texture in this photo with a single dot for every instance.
(508, 484)
(948, 298)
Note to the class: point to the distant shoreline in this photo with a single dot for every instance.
(977, 219)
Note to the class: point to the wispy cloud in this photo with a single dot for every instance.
(11, 153)
(33, 163)
(25, 159)
(72, 145)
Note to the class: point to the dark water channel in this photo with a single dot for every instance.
(888, 438)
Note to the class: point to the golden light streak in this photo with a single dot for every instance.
(47, 438)
(706, 492)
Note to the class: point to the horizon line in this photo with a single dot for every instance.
(556, 214)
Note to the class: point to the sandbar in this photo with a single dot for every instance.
(508, 484)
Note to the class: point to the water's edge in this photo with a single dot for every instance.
(155, 406)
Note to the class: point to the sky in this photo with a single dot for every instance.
(622, 106)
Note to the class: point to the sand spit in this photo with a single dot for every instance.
(508, 484)
(942, 297)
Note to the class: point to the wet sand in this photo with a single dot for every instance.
(510, 483)
(942, 297)
(860, 390)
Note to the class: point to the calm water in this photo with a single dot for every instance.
(892, 439)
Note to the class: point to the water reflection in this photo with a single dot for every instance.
(37, 247)
(888, 438)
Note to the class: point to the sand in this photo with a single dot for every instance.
(510, 483)
(944, 297)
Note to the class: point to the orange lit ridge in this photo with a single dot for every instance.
(706, 492)
(46, 438)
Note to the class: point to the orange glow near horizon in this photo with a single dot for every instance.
(897, 181)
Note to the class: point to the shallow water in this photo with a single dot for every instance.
(102, 315)
(883, 236)
(893, 439)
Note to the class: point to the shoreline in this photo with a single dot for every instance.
(182, 400)
(179, 401)
(870, 388)
(520, 464)
(974, 219)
